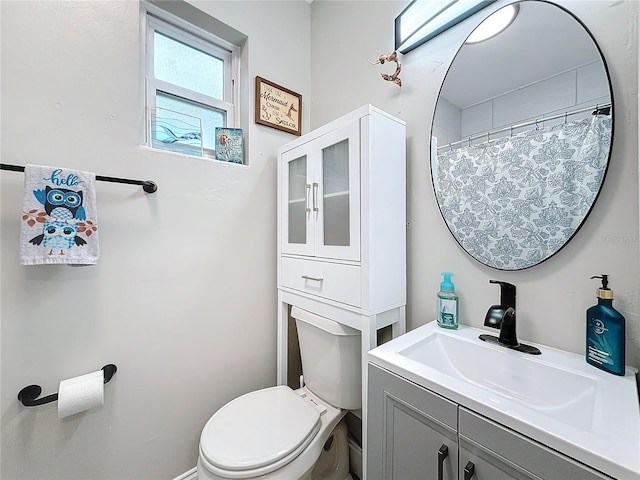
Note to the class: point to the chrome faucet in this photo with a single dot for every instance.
(503, 317)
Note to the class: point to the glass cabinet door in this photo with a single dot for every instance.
(337, 194)
(297, 229)
(320, 195)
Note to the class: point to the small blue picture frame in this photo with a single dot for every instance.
(229, 145)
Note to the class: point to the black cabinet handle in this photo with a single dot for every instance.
(442, 454)
(469, 471)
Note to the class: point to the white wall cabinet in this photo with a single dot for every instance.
(342, 227)
(342, 213)
(408, 426)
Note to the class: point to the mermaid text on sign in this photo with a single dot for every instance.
(278, 107)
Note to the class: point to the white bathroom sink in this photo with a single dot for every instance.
(555, 398)
(568, 396)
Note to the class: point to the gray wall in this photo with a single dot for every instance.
(552, 297)
(183, 298)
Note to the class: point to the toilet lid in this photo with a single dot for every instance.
(258, 429)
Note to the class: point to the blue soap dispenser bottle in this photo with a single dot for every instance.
(447, 316)
(605, 332)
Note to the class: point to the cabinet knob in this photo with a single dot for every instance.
(469, 470)
(443, 453)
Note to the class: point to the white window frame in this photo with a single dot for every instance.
(155, 19)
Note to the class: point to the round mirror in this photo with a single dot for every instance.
(522, 136)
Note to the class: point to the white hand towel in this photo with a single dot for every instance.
(59, 217)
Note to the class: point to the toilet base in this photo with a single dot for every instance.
(333, 463)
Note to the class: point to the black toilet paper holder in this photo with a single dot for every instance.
(29, 395)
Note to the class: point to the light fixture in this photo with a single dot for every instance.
(424, 19)
(494, 24)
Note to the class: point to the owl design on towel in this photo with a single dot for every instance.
(61, 203)
(64, 209)
(58, 235)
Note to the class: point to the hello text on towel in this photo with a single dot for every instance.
(59, 218)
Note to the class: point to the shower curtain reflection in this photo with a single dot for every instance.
(515, 201)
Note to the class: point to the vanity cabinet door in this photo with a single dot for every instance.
(498, 453)
(411, 432)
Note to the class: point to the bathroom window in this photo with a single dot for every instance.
(190, 85)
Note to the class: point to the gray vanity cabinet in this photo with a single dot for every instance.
(409, 426)
(412, 433)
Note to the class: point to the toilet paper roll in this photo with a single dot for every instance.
(81, 393)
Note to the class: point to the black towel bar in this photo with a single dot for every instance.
(147, 185)
(29, 395)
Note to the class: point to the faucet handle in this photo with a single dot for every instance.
(494, 316)
(507, 294)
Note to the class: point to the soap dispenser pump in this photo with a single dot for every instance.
(605, 332)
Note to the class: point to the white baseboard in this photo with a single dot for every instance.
(190, 475)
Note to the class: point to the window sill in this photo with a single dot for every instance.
(146, 148)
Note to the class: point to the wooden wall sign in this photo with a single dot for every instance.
(278, 107)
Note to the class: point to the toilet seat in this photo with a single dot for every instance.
(233, 440)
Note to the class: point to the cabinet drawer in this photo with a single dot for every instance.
(488, 440)
(334, 281)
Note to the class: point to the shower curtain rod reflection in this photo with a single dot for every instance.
(147, 185)
(597, 108)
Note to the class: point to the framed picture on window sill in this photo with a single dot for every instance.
(229, 145)
(278, 107)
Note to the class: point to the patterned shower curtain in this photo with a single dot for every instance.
(513, 202)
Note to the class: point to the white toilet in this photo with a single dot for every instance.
(285, 434)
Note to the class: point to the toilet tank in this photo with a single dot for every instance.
(331, 359)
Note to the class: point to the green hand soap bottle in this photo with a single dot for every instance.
(605, 332)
